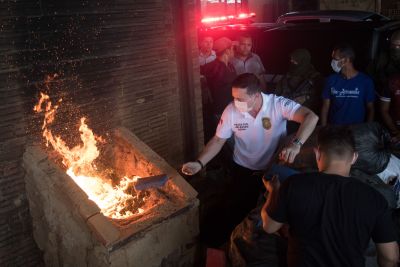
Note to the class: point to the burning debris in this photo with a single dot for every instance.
(117, 198)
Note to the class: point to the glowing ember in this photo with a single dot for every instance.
(112, 200)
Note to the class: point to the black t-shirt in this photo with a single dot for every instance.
(331, 219)
(219, 80)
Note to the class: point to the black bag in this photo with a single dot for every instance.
(372, 144)
(251, 246)
(375, 182)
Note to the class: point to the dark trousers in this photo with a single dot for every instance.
(246, 188)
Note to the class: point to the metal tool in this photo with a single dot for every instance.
(155, 181)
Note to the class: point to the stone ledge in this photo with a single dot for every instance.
(103, 229)
(35, 156)
(186, 188)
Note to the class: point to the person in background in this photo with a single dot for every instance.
(206, 54)
(388, 79)
(386, 64)
(220, 74)
(348, 95)
(302, 83)
(390, 107)
(245, 61)
(331, 216)
(216, 90)
(257, 122)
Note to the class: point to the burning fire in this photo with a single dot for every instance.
(112, 200)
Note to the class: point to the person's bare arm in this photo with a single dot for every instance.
(370, 111)
(270, 225)
(324, 111)
(387, 119)
(209, 152)
(308, 120)
(387, 254)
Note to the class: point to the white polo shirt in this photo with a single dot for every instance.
(256, 139)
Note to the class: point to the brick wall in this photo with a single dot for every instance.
(116, 63)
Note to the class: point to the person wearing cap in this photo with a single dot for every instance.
(220, 74)
(206, 54)
(302, 83)
(216, 89)
(257, 122)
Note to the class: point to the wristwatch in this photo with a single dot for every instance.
(201, 163)
(297, 141)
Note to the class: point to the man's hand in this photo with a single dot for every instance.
(289, 153)
(209, 152)
(191, 168)
(273, 184)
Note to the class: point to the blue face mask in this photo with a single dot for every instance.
(335, 65)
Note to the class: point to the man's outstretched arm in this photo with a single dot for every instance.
(209, 152)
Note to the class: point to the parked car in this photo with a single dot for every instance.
(330, 16)
(274, 42)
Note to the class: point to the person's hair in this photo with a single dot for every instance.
(346, 51)
(248, 81)
(336, 142)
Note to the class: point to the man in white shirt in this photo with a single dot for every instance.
(206, 54)
(257, 122)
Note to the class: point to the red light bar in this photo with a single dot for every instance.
(246, 15)
(241, 16)
(217, 19)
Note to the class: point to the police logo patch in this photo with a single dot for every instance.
(266, 123)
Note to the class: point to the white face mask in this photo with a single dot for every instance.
(335, 65)
(241, 106)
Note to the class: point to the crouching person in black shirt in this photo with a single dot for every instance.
(331, 216)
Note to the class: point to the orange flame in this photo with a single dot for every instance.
(80, 167)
